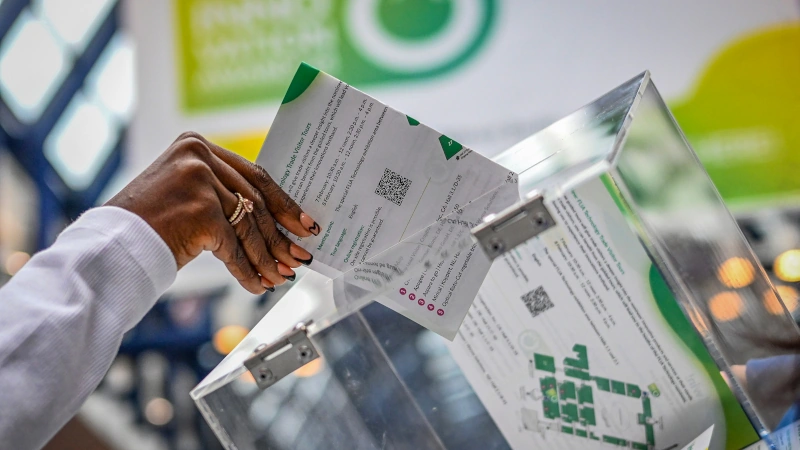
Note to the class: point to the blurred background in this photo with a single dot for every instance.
(91, 91)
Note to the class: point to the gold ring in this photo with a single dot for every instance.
(244, 207)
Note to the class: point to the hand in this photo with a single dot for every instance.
(188, 194)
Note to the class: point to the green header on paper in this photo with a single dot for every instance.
(303, 78)
(450, 147)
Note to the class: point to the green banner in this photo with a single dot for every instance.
(240, 52)
(743, 118)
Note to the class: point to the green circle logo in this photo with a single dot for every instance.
(417, 36)
(430, 17)
(260, 43)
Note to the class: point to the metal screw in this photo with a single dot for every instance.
(305, 353)
(497, 246)
(266, 375)
(539, 220)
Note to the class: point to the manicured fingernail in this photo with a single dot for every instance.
(309, 223)
(306, 262)
(267, 285)
(286, 272)
(271, 289)
(299, 253)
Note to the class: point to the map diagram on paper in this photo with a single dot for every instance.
(576, 342)
(576, 402)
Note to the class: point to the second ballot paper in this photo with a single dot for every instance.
(384, 187)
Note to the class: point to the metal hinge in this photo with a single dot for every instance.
(270, 363)
(502, 232)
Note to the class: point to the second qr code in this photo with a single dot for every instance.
(393, 187)
(537, 301)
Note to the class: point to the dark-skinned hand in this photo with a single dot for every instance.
(188, 195)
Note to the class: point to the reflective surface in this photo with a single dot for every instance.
(353, 398)
(704, 257)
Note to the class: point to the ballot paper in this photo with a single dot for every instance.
(575, 341)
(372, 178)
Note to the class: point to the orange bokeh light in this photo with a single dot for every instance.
(787, 293)
(228, 337)
(736, 272)
(726, 306)
(310, 369)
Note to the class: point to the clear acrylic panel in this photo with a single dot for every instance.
(704, 257)
(366, 390)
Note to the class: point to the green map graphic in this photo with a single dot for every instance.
(571, 400)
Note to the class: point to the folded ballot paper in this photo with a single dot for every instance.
(394, 199)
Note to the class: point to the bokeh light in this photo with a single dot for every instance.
(120, 377)
(158, 411)
(787, 293)
(726, 306)
(228, 337)
(736, 272)
(15, 261)
(27, 83)
(310, 369)
(787, 266)
(247, 377)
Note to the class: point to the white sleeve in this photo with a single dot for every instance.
(63, 315)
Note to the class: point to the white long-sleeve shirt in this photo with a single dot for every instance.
(63, 315)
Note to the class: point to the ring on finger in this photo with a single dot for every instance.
(244, 207)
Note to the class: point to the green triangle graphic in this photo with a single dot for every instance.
(450, 147)
(302, 80)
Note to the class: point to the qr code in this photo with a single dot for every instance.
(537, 301)
(393, 187)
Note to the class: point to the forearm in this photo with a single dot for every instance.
(63, 315)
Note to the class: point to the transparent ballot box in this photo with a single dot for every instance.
(621, 308)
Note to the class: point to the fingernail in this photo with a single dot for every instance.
(309, 223)
(286, 272)
(267, 285)
(271, 289)
(306, 262)
(300, 254)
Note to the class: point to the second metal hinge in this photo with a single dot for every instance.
(502, 232)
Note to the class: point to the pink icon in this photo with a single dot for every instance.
(402, 291)
(430, 306)
(440, 312)
(412, 296)
(421, 302)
